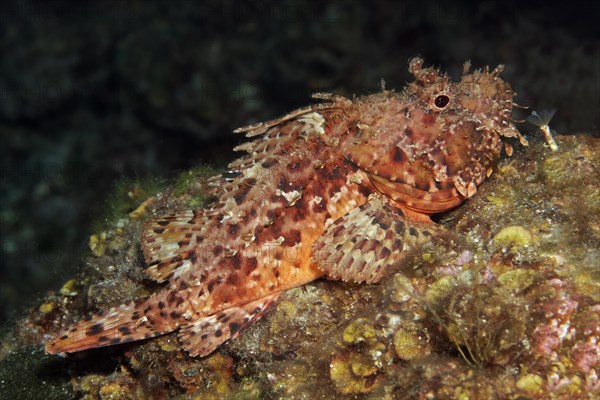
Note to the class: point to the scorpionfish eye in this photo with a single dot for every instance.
(441, 101)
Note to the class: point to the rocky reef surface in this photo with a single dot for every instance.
(506, 304)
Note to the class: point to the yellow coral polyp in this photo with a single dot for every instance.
(531, 384)
(359, 331)
(141, 209)
(408, 345)
(69, 288)
(47, 307)
(97, 244)
(351, 374)
(362, 365)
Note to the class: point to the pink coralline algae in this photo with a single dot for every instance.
(585, 355)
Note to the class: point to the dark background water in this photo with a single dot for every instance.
(92, 93)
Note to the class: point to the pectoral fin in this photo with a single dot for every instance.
(360, 245)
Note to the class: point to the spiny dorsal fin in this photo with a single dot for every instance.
(250, 176)
(262, 127)
(168, 243)
(121, 324)
(204, 335)
(360, 245)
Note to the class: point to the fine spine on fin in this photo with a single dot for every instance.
(121, 324)
(204, 335)
(168, 243)
(262, 127)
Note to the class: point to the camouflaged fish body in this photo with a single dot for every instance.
(339, 188)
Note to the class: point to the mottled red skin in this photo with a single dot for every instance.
(425, 150)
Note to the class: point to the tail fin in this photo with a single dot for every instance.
(122, 324)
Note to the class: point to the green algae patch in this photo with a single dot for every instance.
(498, 200)
(286, 310)
(518, 279)
(513, 236)
(588, 283)
(128, 196)
(191, 185)
(440, 289)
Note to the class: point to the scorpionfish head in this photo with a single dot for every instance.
(429, 147)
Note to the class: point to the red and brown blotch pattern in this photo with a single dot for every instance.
(339, 188)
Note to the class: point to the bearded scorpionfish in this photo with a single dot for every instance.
(339, 188)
